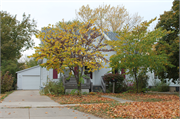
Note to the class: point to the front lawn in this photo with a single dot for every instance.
(147, 106)
(146, 97)
(83, 99)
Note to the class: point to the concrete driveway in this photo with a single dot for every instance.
(27, 98)
(31, 105)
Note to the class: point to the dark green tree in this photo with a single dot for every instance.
(12, 66)
(31, 63)
(16, 36)
(170, 21)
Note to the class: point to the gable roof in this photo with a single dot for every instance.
(112, 35)
(28, 69)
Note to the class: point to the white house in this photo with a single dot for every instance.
(40, 75)
(29, 79)
(95, 76)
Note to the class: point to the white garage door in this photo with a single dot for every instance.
(30, 82)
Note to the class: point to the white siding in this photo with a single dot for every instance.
(151, 80)
(98, 73)
(28, 78)
(44, 76)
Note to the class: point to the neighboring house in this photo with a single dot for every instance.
(52, 73)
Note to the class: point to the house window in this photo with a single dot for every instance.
(55, 74)
(87, 73)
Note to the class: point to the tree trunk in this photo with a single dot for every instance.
(78, 81)
(79, 88)
(135, 74)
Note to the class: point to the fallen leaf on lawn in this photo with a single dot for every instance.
(69, 99)
(46, 112)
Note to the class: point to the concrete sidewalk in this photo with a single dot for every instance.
(44, 113)
(117, 99)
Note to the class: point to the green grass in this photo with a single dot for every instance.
(147, 97)
(5, 95)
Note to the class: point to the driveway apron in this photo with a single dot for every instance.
(35, 106)
(27, 98)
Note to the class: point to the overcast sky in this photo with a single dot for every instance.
(51, 11)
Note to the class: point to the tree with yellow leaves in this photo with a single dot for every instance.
(112, 18)
(72, 45)
(135, 51)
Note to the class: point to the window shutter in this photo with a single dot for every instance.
(122, 72)
(55, 74)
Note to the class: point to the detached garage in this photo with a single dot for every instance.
(29, 79)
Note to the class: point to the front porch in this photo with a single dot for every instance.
(71, 84)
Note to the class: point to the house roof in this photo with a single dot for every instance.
(28, 69)
(112, 35)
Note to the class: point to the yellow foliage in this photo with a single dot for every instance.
(65, 49)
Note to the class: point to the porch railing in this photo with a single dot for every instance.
(72, 83)
(103, 84)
